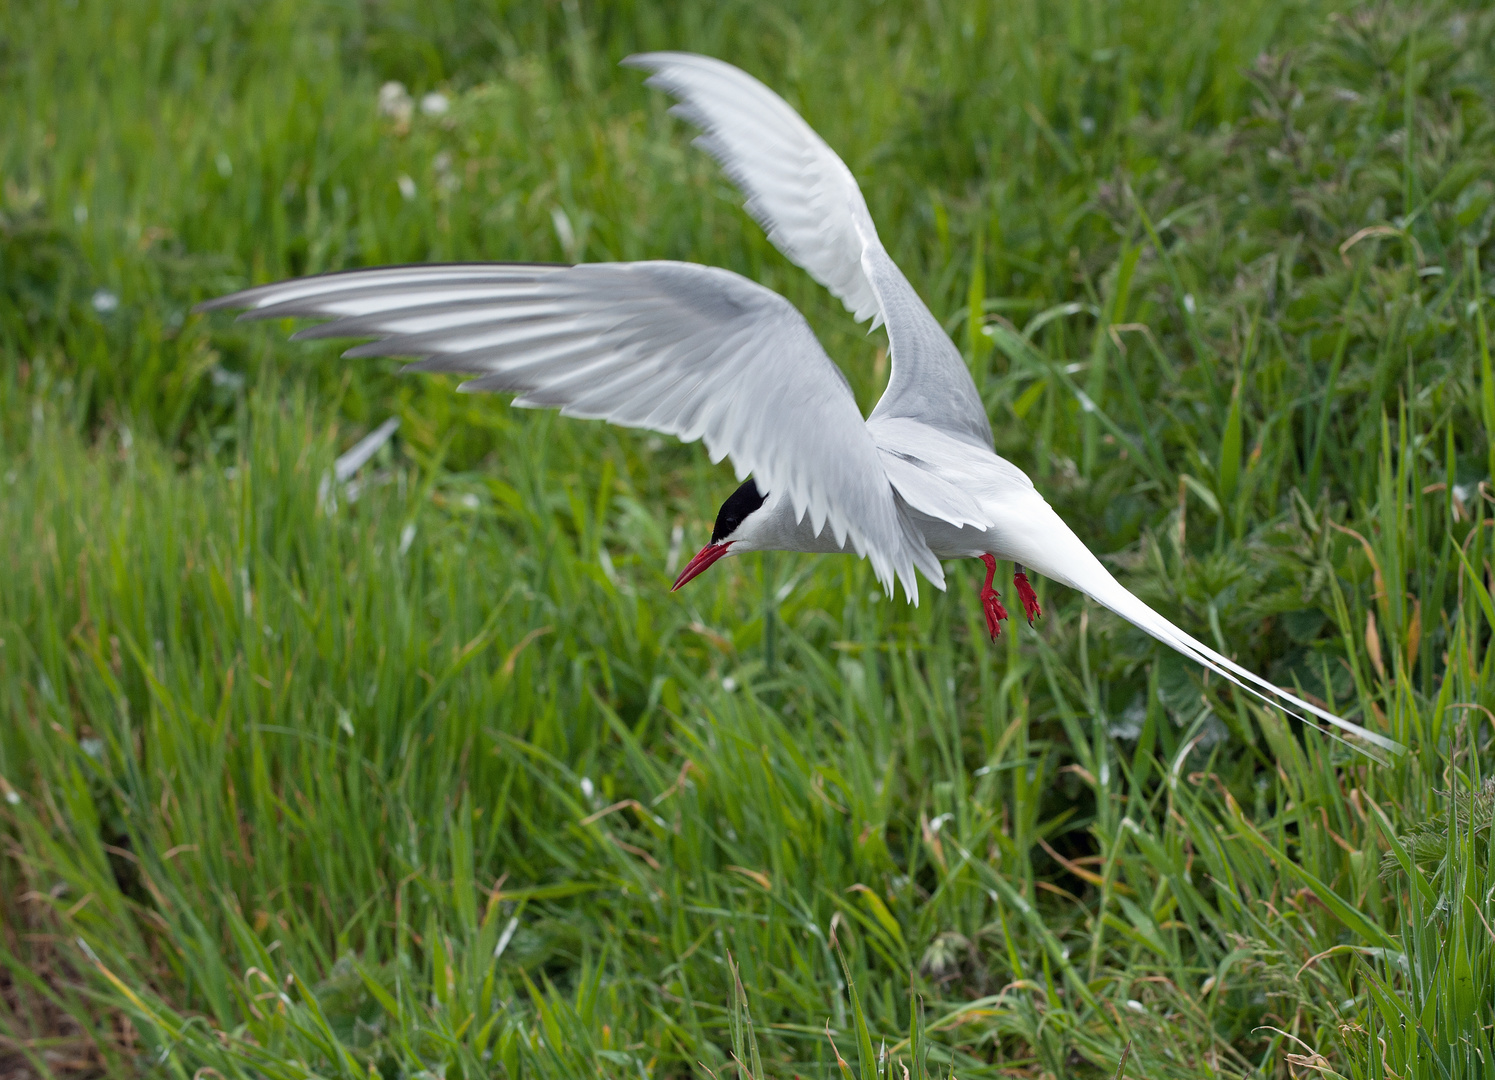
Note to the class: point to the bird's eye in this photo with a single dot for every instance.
(736, 510)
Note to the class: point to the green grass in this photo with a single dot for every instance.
(443, 782)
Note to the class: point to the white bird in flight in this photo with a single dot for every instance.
(702, 353)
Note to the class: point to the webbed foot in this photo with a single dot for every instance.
(991, 602)
(1026, 594)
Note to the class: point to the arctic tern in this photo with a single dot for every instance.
(702, 353)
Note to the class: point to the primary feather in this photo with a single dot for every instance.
(691, 351)
(807, 201)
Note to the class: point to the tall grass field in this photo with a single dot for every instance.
(428, 776)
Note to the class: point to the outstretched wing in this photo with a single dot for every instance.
(807, 201)
(692, 351)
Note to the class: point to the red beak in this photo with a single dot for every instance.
(704, 558)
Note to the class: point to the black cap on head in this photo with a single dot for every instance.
(738, 506)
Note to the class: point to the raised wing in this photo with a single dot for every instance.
(807, 201)
(687, 350)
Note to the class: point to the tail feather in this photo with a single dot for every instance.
(1064, 558)
(1134, 611)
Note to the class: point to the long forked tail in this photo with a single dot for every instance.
(1145, 618)
(1070, 562)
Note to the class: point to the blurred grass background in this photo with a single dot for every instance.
(440, 781)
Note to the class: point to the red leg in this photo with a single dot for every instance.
(991, 603)
(1026, 594)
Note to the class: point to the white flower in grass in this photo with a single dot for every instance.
(406, 186)
(446, 180)
(395, 102)
(1129, 726)
(225, 379)
(564, 231)
(435, 104)
(104, 301)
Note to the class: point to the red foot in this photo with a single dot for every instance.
(991, 603)
(1026, 594)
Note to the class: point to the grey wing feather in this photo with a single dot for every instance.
(808, 202)
(692, 351)
(797, 188)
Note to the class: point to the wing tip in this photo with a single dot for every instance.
(650, 61)
(217, 303)
(655, 59)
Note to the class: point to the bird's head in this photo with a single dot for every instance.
(735, 528)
